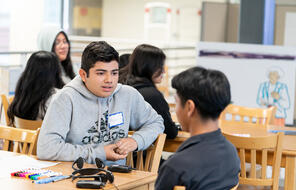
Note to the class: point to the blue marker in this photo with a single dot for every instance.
(50, 179)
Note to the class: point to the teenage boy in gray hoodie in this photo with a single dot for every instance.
(90, 117)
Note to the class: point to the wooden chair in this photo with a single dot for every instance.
(163, 87)
(241, 115)
(153, 155)
(256, 151)
(177, 187)
(14, 137)
(5, 103)
(27, 124)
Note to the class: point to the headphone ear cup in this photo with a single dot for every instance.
(101, 177)
(110, 176)
(79, 162)
(99, 163)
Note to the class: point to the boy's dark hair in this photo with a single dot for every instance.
(208, 89)
(97, 51)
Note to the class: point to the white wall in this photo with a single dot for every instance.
(125, 19)
(25, 23)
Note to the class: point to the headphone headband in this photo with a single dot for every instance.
(80, 161)
(89, 172)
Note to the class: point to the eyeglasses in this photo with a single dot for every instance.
(58, 42)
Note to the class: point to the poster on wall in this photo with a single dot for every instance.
(259, 75)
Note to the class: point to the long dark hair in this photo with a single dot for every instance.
(145, 61)
(36, 84)
(67, 63)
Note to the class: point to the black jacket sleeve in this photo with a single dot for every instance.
(158, 102)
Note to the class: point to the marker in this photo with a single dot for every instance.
(50, 179)
(61, 178)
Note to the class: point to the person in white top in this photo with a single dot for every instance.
(37, 84)
(54, 39)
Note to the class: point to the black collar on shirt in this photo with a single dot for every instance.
(140, 82)
(202, 137)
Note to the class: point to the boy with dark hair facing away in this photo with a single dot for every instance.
(90, 117)
(206, 160)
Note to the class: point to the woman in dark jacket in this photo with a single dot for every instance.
(145, 69)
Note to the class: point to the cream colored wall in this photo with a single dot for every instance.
(279, 25)
(125, 19)
(25, 23)
(286, 2)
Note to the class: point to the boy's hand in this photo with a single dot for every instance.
(111, 154)
(126, 145)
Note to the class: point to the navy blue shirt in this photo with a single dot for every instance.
(203, 162)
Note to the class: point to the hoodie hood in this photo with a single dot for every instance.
(79, 86)
(46, 37)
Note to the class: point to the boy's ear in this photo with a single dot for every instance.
(190, 107)
(82, 74)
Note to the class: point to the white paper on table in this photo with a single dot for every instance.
(11, 164)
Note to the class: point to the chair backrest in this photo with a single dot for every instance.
(163, 87)
(179, 188)
(255, 150)
(27, 124)
(14, 137)
(234, 114)
(153, 155)
(5, 103)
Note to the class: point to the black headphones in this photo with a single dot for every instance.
(100, 175)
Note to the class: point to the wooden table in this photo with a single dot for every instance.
(135, 180)
(171, 145)
(288, 155)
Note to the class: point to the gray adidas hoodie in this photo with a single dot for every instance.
(76, 123)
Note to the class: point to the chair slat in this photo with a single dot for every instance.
(16, 146)
(140, 164)
(253, 163)
(148, 159)
(243, 161)
(153, 155)
(24, 148)
(264, 163)
(6, 145)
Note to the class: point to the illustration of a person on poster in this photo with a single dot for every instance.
(275, 93)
